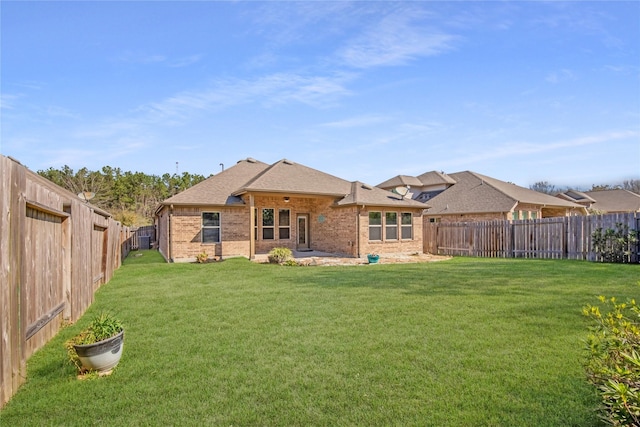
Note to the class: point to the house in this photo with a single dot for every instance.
(470, 196)
(578, 197)
(605, 201)
(253, 207)
(421, 188)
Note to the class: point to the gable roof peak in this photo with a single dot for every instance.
(435, 178)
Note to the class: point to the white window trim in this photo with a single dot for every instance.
(219, 227)
(405, 226)
(375, 226)
(280, 227)
(263, 227)
(395, 226)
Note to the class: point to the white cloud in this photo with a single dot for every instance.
(147, 59)
(185, 61)
(560, 76)
(358, 121)
(396, 39)
(316, 91)
(8, 100)
(522, 148)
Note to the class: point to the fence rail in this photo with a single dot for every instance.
(55, 251)
(556, 238)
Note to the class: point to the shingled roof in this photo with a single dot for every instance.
(576, 197)
(617, 200)
(435, 178)
(401, 181)
(476, 193)
(218, 189)
(284, 176)
(364, 194)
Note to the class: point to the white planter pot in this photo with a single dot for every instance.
(103, 355)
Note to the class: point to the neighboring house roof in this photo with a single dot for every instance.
(618, 200)
(364, 194)
(401, 181)
(284, 176)
(576, 197)
(476, 193)
(435, 178)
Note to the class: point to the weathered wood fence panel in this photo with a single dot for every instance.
(53, 246)
(147, 232)
(551, 238)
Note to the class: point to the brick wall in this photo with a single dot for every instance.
(389, 246)
(162, 225)
(331, 229)
(186, 233)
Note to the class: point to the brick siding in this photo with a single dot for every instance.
(331, 229)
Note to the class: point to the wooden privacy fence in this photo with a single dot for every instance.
(560, 238)
(55, 252)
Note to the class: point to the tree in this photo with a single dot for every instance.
(603, 187)
(544, 187)
(632, 185)
(82, 181)
(130, 196)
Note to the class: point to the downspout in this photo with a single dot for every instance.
(359, 249)
(169, 232)
(252, 220)
(357, 242)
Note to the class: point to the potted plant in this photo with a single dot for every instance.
(373, 258)
(99, 346)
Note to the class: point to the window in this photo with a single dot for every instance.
(391, 226)
(210, 227)
(525, 215)
(534, 215)
(268, 224)
(406, 225)
(284, 224)
(375, 225)
(515, 215)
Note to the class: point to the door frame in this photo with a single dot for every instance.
(307, 244)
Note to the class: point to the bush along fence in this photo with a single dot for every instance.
(610, 238)
(55, 251)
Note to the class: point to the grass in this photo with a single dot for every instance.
(463, 342)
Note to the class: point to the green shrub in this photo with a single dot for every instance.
(280, 255)
(613, 365)
(202, 258)
(615, 245)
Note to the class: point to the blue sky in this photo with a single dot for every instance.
(520, 91)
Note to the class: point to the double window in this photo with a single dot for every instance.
(269, 224)
(390, 226)
(210, 227)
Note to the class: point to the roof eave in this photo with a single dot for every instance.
(288, 192)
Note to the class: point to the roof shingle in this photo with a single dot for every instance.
(288, 177)
(476, 193)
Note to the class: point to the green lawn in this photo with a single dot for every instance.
(465, 342)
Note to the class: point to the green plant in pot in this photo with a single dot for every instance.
(99, 346)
